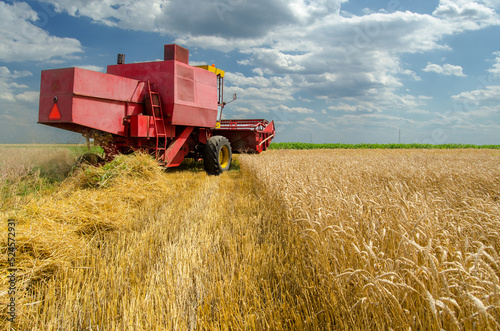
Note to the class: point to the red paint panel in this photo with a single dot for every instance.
(185, 90)
(89, 99)
(189, 94)
(64, 104)
(206, 77)
(160, 73)
(186, 72)
(191, 116)
(206, 94)
(101, 85)
(57, 81)
(270, 128)
(177, 150)
(141, 126)
(176, 52)
(99, 114)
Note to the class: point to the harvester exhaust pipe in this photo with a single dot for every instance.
(121, 59)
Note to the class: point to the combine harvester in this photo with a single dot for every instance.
(166, 108)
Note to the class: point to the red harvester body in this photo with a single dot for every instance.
(168, 108)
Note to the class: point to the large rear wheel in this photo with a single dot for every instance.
(217, 155)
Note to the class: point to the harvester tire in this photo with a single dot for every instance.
(217, 155)
(89, 158)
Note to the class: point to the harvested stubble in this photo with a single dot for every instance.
(395, 239)
(55, 232)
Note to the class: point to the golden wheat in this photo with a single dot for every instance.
(395, 238)
(295, 240)
(26, 170)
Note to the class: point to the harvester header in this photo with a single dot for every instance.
(167, 108)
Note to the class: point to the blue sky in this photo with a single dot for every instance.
(324, 70)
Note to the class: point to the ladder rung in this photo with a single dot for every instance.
(159, 123)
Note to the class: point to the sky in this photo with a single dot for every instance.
(326, 71)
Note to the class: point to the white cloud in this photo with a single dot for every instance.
(308, 43)
(492, 3)
(17, 86)
(255, 95)
(495, 69)
(360, 108)
(274, 61)
(307, 11)
(29, 96)
(6, 73)
(216, 42)
(466, 14)
(243, 110)
(488, 94)
(10, 90)
(418, 111)
(337, 57)
(372, 120)
(380, 102)
(238, 79)
(475, 108)
(485, 111)
(21, 40)
(445, 69)
(286, 109)
(258, 93)
(309, 121)
(226, 18)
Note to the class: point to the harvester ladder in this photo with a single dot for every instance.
(159, 123)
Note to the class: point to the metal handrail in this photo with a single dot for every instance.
(243, 124)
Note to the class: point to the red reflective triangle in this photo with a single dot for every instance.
(55, 114)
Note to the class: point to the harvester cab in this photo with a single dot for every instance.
(167, 108)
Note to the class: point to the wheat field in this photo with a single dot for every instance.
(395, 239)
(330, 239)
